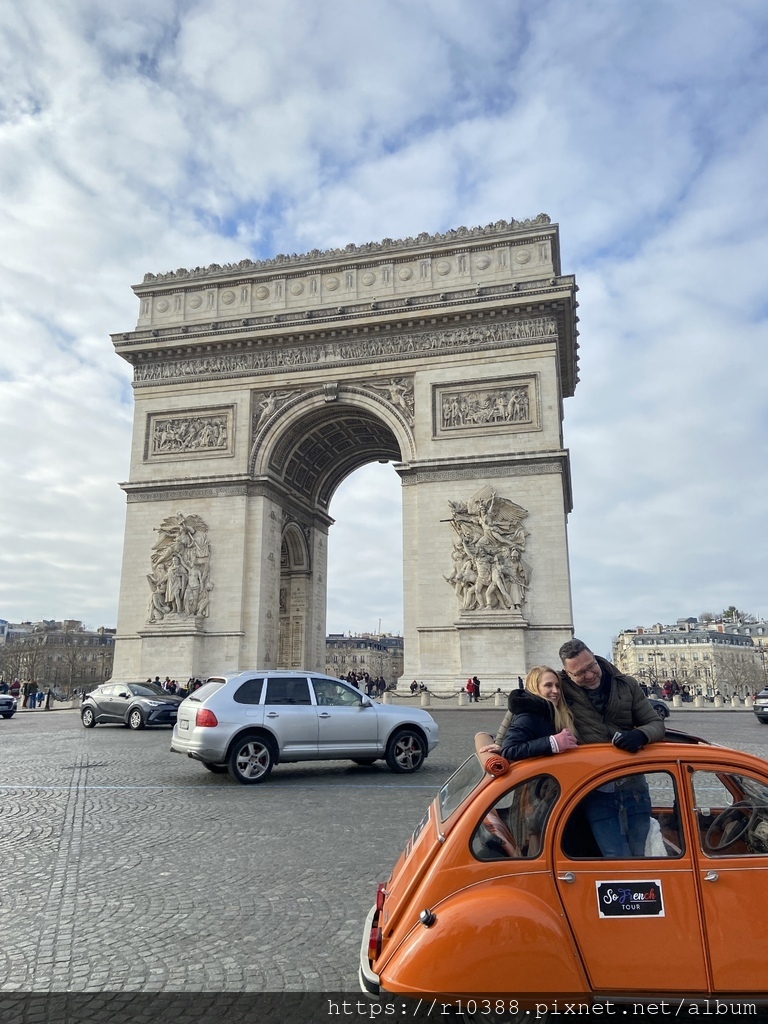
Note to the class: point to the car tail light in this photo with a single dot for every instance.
(381, 894)
(374, 943)
(204, 717)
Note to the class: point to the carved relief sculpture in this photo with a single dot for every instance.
(174, 435)
(180, 582)
(399, 392)
(488, 568)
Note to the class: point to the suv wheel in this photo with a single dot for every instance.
(251, 759)
(135, 719)
(763, 719)
(406, 751)
(88, 718)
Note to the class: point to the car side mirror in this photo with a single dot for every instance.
(123, 693)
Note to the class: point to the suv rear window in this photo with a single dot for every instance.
(209, 687)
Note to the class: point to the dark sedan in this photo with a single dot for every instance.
(660, 707)
(131, 704)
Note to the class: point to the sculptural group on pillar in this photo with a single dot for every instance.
(180, 581)
(488, 568)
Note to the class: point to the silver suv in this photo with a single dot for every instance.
(248, 722)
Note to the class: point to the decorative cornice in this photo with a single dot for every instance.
(388, 245)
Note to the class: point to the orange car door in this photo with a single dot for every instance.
(631, 897)
(730, 810)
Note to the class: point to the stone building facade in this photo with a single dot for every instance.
(61, 655)
(378, 654)
(707, 658)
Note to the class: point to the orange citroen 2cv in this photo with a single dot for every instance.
(505, 887)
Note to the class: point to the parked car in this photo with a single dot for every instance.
(660, 707)
(131, 704)
(760, 706)
(503, 888)
(248, 722)
(8, 705)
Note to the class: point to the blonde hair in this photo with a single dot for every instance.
(563, 716)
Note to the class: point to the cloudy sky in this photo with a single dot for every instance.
(145, 135)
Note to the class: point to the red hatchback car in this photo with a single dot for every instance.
(505, 886)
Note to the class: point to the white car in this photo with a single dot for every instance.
(247, 722)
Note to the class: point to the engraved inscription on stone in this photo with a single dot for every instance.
(488, 568)
(507, 404)
(183, 434)
(180, 583)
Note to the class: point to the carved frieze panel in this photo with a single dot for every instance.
(379, 347)
(190, 434)
(506, 404)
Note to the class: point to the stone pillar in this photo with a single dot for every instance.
(677, 701)
(462, 699)
(499, 701)
(718, 702)
(425, 699)
(698, 701)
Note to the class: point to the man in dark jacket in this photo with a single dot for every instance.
(609, 707)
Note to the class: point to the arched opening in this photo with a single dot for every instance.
(315, 450)
(365, 553)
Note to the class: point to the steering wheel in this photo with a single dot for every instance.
(733, 823)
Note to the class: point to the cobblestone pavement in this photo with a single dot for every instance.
(131, 869)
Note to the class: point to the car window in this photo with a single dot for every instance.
(513, 828)
(731, 813)
(288, 690)
(329, 693)
(204, 691)
(631, 817)
(144, 690)
(464, 780)
(249, 692)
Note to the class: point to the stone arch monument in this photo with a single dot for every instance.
(260, 386)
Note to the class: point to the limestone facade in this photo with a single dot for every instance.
(260, 386)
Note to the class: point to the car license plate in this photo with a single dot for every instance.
(183, 724)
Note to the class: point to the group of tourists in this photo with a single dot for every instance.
(32, 695)
(367, 684)
(179, 689)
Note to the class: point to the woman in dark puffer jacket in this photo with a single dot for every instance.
(540, 722)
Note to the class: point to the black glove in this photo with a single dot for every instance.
(631, 741)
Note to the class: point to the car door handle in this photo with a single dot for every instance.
(566, 876)
(273, 714)
(324, 714)
(711, 876)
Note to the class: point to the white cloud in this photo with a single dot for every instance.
(143, 136)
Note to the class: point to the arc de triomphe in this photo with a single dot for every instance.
(260, 386)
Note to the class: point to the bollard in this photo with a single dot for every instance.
(386, 697)
(499, 700)
(425, 699)
(735, 702)
(718, 702)
(749, 702)
(677, 701)
(462, 699)
(698, 701)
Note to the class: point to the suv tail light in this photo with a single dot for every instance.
(204, 717)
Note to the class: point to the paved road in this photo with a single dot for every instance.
(131, 869)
